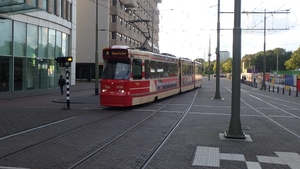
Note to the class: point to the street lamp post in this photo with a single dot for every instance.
(217, 93)
(96, 55)
(152, 31)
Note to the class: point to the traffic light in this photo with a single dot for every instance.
(64, 61)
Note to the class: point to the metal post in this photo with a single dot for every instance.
(217, 93)
(264, 59)
(68, 86)
(152, 39)
(277, 63)
(209, 54)
(96, 55)
(235, 129)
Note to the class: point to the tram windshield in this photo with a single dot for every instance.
(116, 70)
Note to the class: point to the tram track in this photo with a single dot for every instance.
(147, 157)
(274, 104)
(57, 136)
(17, 153)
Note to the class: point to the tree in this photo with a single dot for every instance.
(227, 66)
(248, 61)
(271, 59)
(294, 62)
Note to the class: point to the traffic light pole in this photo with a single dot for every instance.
(68, 86)
(66, 62)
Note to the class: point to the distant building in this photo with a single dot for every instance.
(120, 22)
(224, 55)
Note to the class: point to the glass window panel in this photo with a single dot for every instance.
(19, 73)
(19, 39)
(31, 74)
(54, 6)
(42, 73)
(5, 75)
(64, 45)
(152, 68)
(5, 37)
(147, 69)
(137, 68)
(34, 2)
(51, 73)
(58, 47)
(62, 8)
(32, 41)
(59, 9)
(160, 69)
(51, 44)
(43, 35)
(45, 4)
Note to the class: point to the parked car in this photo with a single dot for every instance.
(221, 75)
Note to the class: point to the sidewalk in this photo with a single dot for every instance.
(79, 86)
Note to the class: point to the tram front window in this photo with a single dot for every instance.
(116, 70)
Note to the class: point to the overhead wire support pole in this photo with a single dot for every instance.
(235, 129)
(263, 87)
(217, 92)
(209, 54)
(96, 55)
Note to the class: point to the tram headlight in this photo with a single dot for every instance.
(121, 91)
(104, 90)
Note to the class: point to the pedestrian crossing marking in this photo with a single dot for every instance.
(210, 157)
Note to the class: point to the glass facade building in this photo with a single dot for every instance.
(29, 44)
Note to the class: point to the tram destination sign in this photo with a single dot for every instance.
(115, 53)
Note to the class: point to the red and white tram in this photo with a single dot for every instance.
(132, 77)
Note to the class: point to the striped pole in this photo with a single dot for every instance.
(68, 86)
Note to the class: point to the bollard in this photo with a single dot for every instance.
(290, 91)
(269, 88)
(283, 90)
(273, 88)
(277, 89)
(296, 92)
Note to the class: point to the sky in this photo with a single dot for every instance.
(186, 26)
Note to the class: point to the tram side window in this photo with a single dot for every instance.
(137, 68)
(147, 69)
(198, 70)
(172, 69)
(166, 69)
(184, 70)
(191, 72)
(153, 69)
(160, 69)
